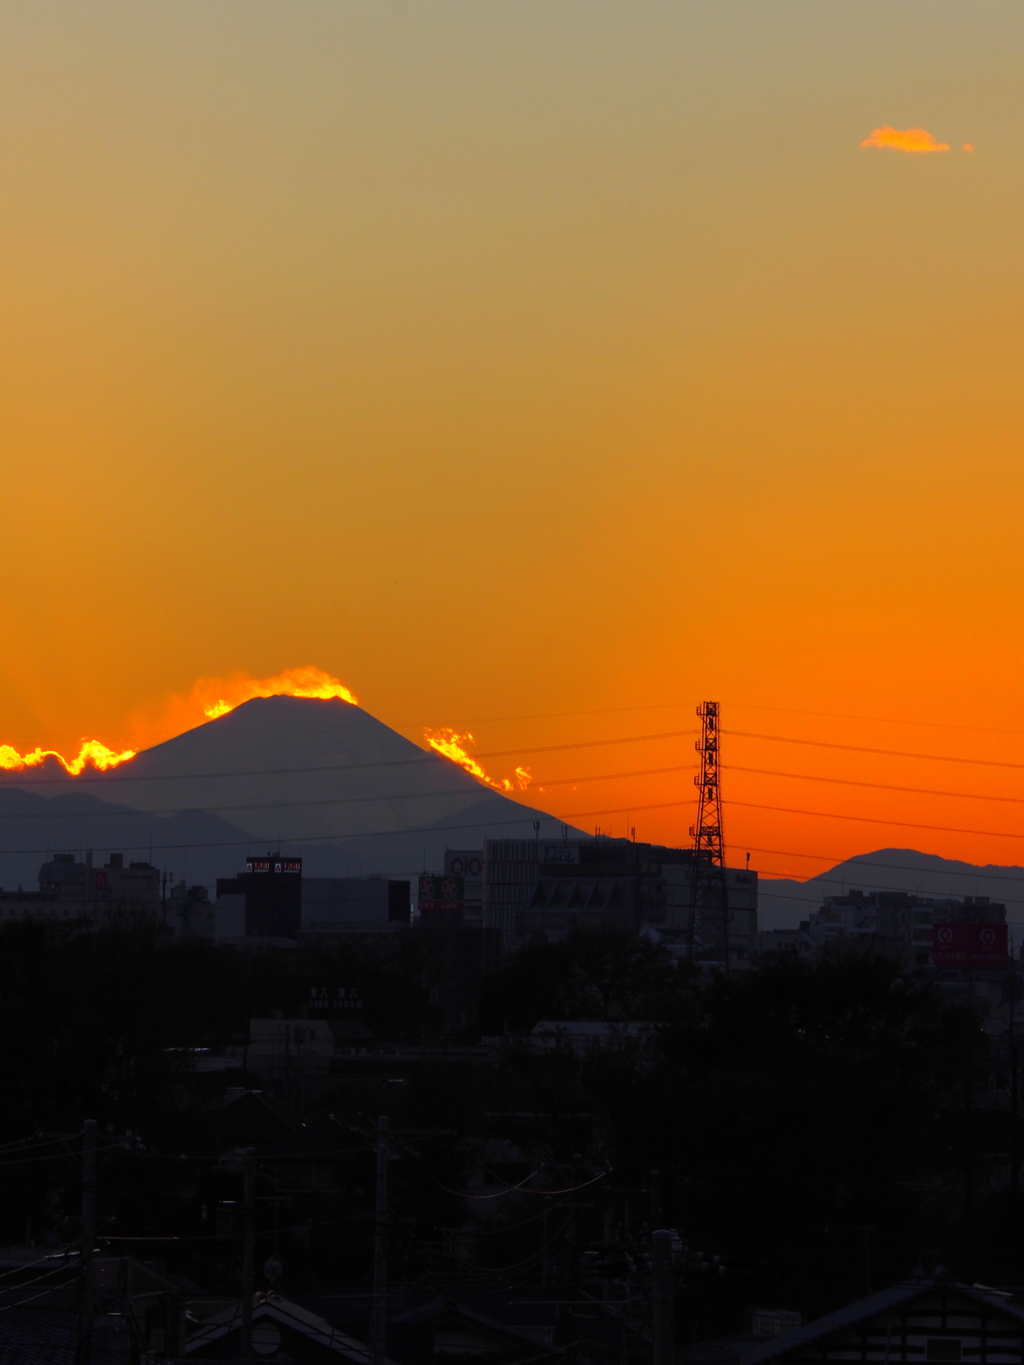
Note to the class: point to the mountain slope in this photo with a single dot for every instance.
(190, 845)
(323, 775)
(785, 903)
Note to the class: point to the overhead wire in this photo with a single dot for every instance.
(54, 1156)
(162, 812)
(879, 820)
(877, 786)
(876, 720)
(762, 894)
(30, 1265)
(450, 827)
(21, 1302)
(498, 1194)
(746, 706)
(104, 780)
(537, 785)
(38, 1279)
(248, 840)
(864, 749)
(750, 805)
(48, 1142)
(978, 873)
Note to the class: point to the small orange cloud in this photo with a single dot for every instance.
(905, 140)
(968, 147)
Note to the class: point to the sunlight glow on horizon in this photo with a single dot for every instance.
(513, 360)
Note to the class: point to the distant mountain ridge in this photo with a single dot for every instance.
(351, 796)
(784, 903)
(324, 779)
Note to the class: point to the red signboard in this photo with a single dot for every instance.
(274, 865)
(969, 945)
(442, 894)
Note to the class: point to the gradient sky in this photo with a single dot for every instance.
(517, 357)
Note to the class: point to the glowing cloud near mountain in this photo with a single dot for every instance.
(294, 682)
(452, 746)
(209, 699)
(904, 140)
(91, 754)
(213, 697)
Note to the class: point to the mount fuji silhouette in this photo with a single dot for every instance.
(321, 779)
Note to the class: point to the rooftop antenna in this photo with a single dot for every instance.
(708, 934)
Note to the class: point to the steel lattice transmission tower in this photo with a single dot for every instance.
(709, 902)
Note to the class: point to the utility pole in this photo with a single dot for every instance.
(248, 1249)
(547, 1265)
(661, 1298)
(709, 908)
(1014, 1060)
(379, 1330)
(86, 1264)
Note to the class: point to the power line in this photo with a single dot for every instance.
(836, 859)
(21, 1302)
(540, 783)
(25, 1284)
(677, 706)
(855, 864)
(251, 839)
(785, 810)
(534, 786)
(164, 811)
(746, 706)
(878, 886)
(978, 874)
(53, 1156)
(52, 1254)
(569, 715)
(434, 757)
(875, 720)
(861, 749)
(875, 820)
(631, 809)
(104, 780)
(877, 786)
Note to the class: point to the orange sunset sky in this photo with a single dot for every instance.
(536, 368)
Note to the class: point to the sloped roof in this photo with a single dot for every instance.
(272, 1307)
(440, 1308)
(35, 1336)
(864, 1309)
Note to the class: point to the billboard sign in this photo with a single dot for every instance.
(274, 865)
(563, 851)
(442, 893)
(969, 945)
(334, 999)
(470, 865)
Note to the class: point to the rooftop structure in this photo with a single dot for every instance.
(544, 887)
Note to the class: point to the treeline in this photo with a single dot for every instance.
(818, 1129)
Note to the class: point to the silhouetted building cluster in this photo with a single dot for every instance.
(543, 889)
